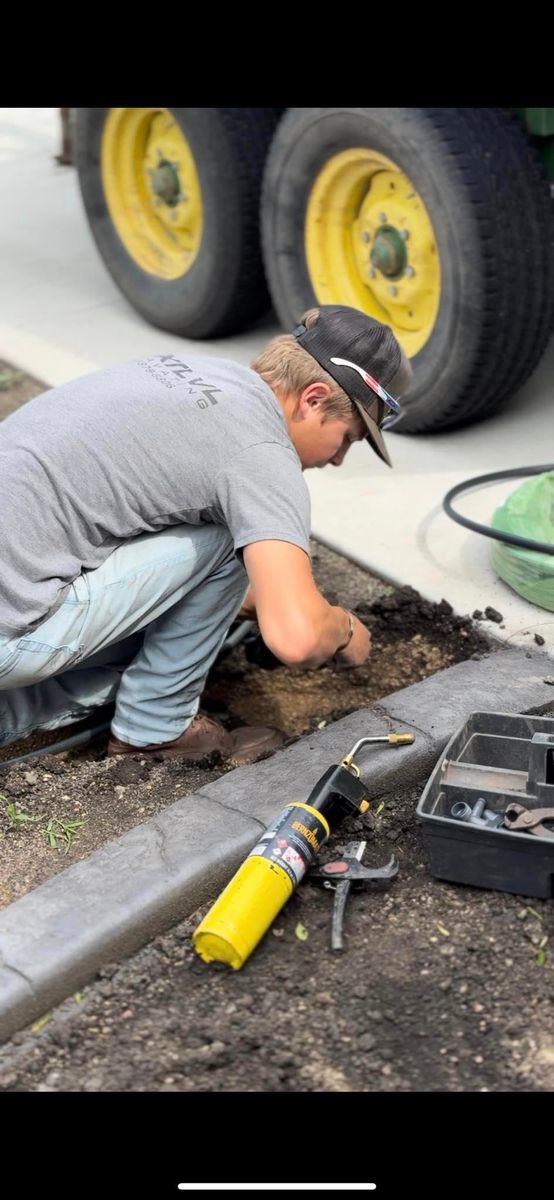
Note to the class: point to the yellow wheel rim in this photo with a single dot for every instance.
(152, 189)
(370, 243)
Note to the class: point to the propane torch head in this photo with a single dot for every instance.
(385, 739)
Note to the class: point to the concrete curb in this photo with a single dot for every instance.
(54, 940)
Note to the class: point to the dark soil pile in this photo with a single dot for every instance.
(404, 614)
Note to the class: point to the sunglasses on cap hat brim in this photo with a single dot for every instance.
(372, 383)
(381, 411)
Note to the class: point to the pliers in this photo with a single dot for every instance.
(529, 820)
(345, 873)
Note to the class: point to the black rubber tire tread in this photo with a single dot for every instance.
(486, 193)
(525, 261)
(225, 289)
(538, 252)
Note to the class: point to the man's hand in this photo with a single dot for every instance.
(296, 622)
(358, 650)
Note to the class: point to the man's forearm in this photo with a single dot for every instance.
(332, 630)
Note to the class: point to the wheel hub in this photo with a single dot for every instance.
(369, 243)
(152, 189)
(389, 254)
(165, 183)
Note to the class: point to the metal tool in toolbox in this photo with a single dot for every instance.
(347, 874)
(477, 814)
(516, 817)
(280, 859)
(529, 820)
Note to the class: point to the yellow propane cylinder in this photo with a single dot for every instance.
(257, 892)
(277, 864)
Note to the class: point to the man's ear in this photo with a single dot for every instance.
(312, 398)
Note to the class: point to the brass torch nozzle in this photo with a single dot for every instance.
(384, 739)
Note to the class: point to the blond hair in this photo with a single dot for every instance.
(284, 364)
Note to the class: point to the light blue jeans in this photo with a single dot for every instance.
(143, 629)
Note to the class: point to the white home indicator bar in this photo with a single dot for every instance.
(277, 1187)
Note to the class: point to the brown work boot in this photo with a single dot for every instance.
(203, 737)
(250, 742)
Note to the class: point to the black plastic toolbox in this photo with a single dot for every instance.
(498, 758)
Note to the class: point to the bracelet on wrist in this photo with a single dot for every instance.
(350, 631)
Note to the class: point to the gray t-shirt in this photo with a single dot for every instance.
(154, 442)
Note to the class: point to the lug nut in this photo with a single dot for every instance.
(393, 291)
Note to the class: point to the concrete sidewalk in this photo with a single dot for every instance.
(53, 940)
(61, 315)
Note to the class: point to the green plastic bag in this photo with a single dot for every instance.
(528, 512)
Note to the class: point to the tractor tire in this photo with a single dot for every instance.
(172, 198)
(438, 222)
